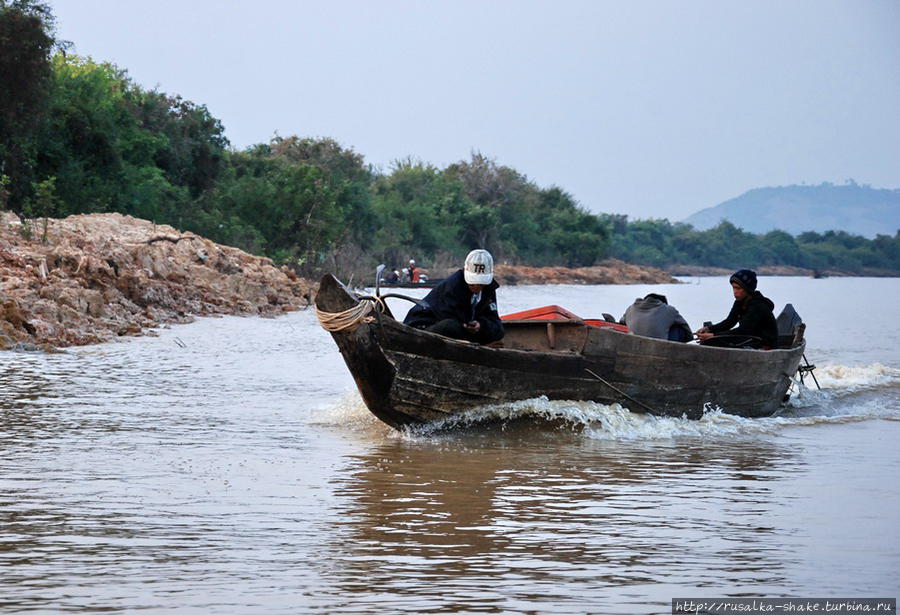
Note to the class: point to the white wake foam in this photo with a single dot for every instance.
(848, 394)
(843, 377)
(615, 422)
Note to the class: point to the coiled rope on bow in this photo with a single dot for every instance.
(349, 319)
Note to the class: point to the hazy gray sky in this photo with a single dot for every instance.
(653, 109)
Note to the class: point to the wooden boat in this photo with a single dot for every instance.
(408, 376)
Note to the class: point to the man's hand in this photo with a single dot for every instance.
(703, 333)
(473, 325)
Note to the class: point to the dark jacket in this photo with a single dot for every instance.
(753, 317)
(453, 299)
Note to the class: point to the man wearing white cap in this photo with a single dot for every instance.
(464, 305)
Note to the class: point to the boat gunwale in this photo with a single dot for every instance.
(680, 347)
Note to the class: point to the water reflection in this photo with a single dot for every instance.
(566, 523)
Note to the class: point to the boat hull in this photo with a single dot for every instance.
(408, 376)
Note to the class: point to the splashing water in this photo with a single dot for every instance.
(843, 377)
(848, 394)
(348, 411)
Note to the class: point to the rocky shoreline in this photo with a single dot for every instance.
(97, 277)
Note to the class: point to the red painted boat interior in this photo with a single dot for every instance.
(555, 312)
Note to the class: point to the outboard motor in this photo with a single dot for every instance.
(791, 329)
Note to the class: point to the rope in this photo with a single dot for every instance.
(625, 395)
(349, 319)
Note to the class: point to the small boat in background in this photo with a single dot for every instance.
(405, 278)
(407, 376)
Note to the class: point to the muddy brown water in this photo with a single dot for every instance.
(228, 466)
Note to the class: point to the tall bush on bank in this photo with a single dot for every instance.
(194, 150)
(559, 232)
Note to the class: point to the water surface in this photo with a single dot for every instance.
(229, 466)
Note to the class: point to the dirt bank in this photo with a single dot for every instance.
(609, 271)
(101, 276)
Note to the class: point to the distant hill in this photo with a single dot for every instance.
(857, 209)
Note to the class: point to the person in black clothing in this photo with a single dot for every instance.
(751, 312)
(464, 305)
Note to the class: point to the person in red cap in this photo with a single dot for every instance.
(752, 313)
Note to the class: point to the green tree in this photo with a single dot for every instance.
(732, 247)
(194, 151)
(292, 208)
(419, 211)
(779, 248)
(648, 242)
(493, 189)
(561, 232)
(520, 222)
(95, 146)
(26, 43)
(348, 174)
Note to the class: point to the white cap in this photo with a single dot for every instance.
(479, 268)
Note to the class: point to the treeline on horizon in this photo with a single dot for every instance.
(79, 136)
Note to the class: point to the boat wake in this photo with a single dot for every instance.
(843, 377)
(848, 394)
